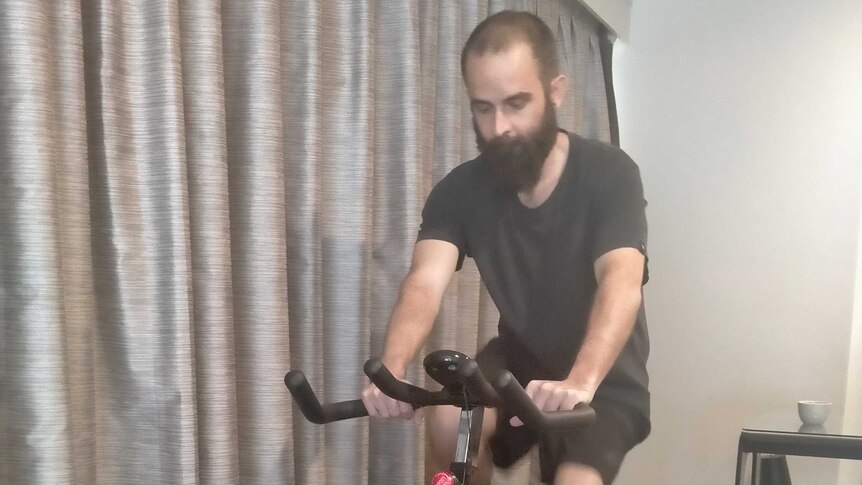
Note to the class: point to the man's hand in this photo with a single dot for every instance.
(380, 405)
(555, 396)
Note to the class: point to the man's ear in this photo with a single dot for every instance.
(558, 90)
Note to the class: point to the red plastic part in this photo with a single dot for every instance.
(444, 478)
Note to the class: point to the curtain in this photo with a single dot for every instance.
(196, 197)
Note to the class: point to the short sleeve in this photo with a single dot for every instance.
(442, 217)
(619, 219)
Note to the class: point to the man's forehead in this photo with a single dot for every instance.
(513, 70)
(516, 51)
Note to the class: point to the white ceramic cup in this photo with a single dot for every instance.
(813, 413)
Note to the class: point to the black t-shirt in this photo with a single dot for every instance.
(538, 263)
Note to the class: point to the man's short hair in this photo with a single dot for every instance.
(504, 29)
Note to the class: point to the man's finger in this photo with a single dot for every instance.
(571, 400)
(391, 406)
(555, 399)
(405, 410)
(380, 410)
(532, 387)
(370, 404)
(543, 393)
(418, 416)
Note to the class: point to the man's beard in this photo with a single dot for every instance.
(516, 162)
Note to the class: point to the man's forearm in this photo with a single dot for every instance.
(410, 324)
(611, 322)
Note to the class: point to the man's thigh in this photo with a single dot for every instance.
(601, 447)
(508, 444)
(577, 474)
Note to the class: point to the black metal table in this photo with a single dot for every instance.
(784, 434)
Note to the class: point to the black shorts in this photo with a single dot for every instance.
(601, 446)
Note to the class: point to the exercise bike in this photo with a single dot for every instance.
(464, 386)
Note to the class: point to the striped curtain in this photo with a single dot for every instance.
(196, 197)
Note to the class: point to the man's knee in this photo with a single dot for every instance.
(577, 474)
(442, 429)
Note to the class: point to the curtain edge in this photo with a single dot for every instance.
(606, 48)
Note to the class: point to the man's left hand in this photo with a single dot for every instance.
(555, 396)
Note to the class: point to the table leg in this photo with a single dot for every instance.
(755, 469)
(740, 466)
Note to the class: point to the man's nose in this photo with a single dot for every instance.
(502, 125)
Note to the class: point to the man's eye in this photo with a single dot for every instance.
(482, 109)
(517, 105)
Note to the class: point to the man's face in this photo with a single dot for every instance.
(513, 114)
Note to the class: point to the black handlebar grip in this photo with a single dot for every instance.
(475, 382)
(519, 403)
(311, 407)
(398, 390)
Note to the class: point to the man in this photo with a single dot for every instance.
(556, 226)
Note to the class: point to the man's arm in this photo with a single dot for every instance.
(418, 302)
(412, 319)
(619, 275)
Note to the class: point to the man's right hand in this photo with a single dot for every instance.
(382, 406)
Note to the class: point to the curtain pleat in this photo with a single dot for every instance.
(145, 399)
(35, 395)
(347, 112)
(301, 67)
(196, 197)
(394, 204)
(71, 176)
(256, 189)
(209, 224)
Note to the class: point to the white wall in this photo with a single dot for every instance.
(746, 119)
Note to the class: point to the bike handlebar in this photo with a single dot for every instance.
(400, 390)
(505, 393)
(519, 403)
(311, 407)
